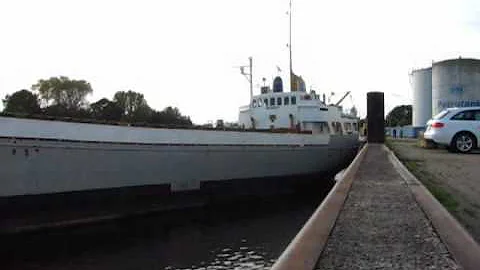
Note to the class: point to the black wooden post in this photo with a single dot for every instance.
(375, 117)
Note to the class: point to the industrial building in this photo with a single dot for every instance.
(448, 83)
(421, 80)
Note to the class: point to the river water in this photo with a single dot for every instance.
(247, 234)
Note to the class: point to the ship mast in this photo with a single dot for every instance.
(290, 44)
(249, 76)
(250, 62)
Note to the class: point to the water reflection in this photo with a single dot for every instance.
(242, 235)
(244, 257)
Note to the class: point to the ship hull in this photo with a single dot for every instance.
(73, 170)
(33, 167)
(133, 200)
(41, 177)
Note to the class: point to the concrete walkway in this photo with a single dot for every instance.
(381, 226)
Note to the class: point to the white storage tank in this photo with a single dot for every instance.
(455, 83)
(421, 80)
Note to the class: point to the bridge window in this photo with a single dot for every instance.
(254, 103)
(355, 126)
(348, 127)
(294, 100)
(286, 101)
(265, 101)
(259, 103)
(324, 128)
(272, 101)
(279, 101)
(337, 128)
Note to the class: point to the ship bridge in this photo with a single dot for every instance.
(296, 111)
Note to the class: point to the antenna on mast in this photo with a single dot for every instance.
(290, 43)
(248, 76)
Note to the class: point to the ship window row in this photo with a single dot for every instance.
(350, 127)
(275, 101)
(347, 127)
(324, 128)
(337, 128)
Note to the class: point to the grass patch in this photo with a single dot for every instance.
(388, 143)
(470, 212)
(445, 198)
(476, 205)
(428, 180)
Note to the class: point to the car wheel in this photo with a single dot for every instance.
(463, 142)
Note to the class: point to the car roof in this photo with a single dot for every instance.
(463, 108)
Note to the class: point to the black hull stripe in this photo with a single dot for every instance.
(155, 144)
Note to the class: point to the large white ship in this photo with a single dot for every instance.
(288, 139)
(43, 156)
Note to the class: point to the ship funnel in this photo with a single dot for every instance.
(297, 84)
(277, 84)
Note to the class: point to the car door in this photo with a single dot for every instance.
(477, 124)
(464, 121)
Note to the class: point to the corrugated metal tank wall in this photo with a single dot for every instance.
(422, 96)
(455, 83)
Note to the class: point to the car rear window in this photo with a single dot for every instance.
(471, 115)
(441, 114)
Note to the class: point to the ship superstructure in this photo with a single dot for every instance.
(295, 111)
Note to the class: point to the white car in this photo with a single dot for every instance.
(456, 128)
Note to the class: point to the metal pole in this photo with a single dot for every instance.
(251, 78)
(290, 44)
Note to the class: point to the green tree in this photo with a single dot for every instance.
(105, 109)
(22, 101)
(170, 116)
(63, 92)
(133, 104)
(399, 116)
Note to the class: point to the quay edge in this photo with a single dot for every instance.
(304, 250)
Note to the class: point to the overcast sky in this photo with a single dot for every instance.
(183, 53)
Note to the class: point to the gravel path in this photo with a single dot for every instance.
(457, 174)
(381, 226)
